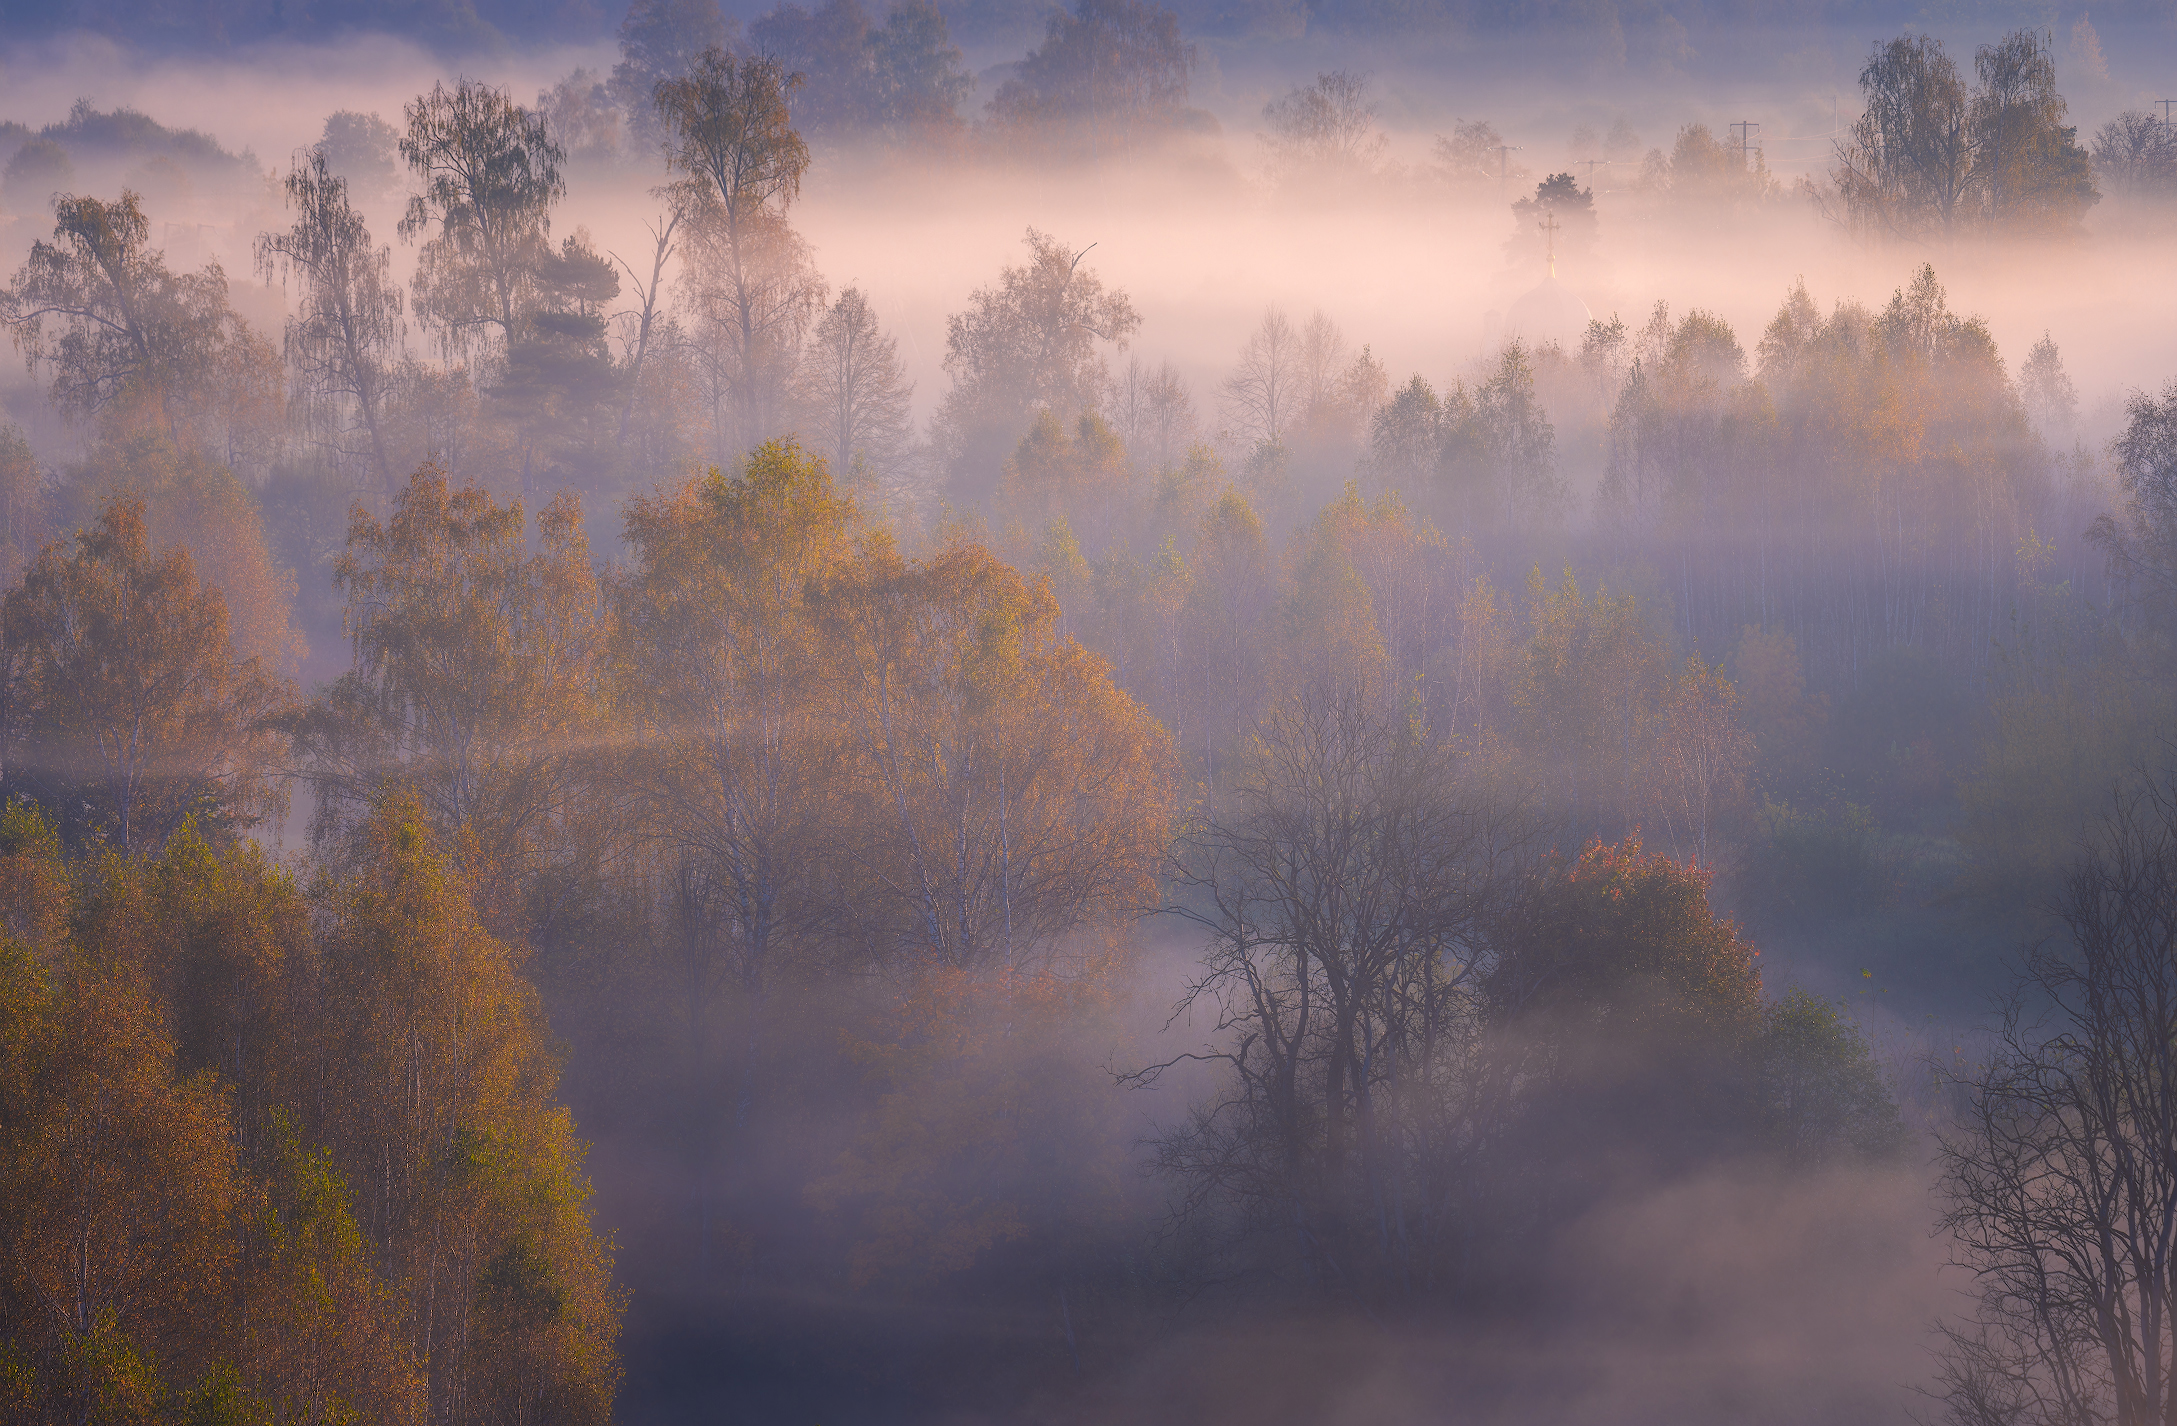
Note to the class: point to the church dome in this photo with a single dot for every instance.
(1548, 312)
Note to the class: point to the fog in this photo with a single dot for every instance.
(1202, 241)
(923, 873)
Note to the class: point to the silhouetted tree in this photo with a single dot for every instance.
(2060, 1179)
(1109, 75)
(490, 172)
(347, 325)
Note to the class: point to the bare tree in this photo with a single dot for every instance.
(1324, 126)
(647, 325)
(1343, 901)
(2061, 1180)
(1262, 397)
(2135, 155)
(1154, 414)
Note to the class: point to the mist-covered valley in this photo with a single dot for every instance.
(952, 713)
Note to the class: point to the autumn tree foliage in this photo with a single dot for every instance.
(127, 703)
(477, 678)
(1013, 793)
(737, 759)
(275, 1150)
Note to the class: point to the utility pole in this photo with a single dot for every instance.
(1744, 128)
(2165, 103)
(1549, 226)
(1504, 167)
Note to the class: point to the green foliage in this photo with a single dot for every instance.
(1821, 1095)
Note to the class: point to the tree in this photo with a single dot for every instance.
(37, 172)
(1907, 165)
(2052, 401)
(560, 385)
(1343, 897)
(1261, 397)
(661, 40)
(363, 151)
(2141, 541)
(1821, 1096)
(921, 76)
(721, 657)
(1509, 430)
(1704, 756)
(1703, 169)
(192, 501)
(273, 1153)
(1027, 343)
(21, 482)
(116, 1251)
(490, 172)
(1474, 157)
(2060, 1180)
(1404, 435)
(857, 395)
(831, 50)
(1586, 691)
(1928, 155)
(131, 710)
(2028, 162)
(582, 118)
(650, 322)
(755, 292)
(1153, 412)
(750, 274)
(1626, 1016)
(435, 1100)
(476, 676)
(734, 776)
(1008, 796)
(1570, 210)
(130, 343)
(1109, 76)
(902, 79)
(1074, 479)
(2135, 155)
(731, 134)
(1327, 128)
(347, 326)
